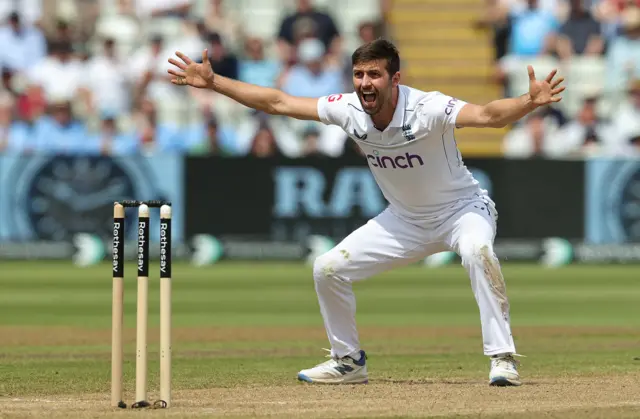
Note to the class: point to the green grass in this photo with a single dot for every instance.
(283, 295)
(243, 325)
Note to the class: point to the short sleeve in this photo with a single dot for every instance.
(440, 111)
(334, 110)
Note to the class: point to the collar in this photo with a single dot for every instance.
(398, 115)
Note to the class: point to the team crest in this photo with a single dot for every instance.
(407, 133)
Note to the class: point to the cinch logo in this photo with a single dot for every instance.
(450, 105)
(403, 161)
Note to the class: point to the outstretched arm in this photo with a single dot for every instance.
(272, 101)
(502, 112)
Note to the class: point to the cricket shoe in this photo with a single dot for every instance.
(504, 371)
(345, 370)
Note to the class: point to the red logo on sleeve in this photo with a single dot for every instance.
(334, 98)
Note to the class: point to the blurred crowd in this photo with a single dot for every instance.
(595, 44)
(90, 76)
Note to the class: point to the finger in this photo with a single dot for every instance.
(205, 56)
(556, 99)
(176, 73)
(557, 82)
(532, 74)
(178, 64)
(557, 91)
(184, 58)
(551, 75)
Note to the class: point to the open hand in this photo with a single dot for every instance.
(191, 73)
(546, 91)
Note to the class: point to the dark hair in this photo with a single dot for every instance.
(380, 49)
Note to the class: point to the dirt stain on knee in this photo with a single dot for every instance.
(496, 280)
(328, 270)
(345, 254)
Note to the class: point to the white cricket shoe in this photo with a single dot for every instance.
(504, 371)
(344, 370)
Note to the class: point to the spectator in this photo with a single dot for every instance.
(213, 139)
(532, 138)
(223, 62)
(288, 143)
(147, 71)
(27, 131)
(22, 46)
(60, 73)
(626, 120)
(111, 141)
(6, 119)
(29, 10)
(166, 8)
(8, 84)
(609, 11)
(307, 22)
(31, 103)
(264, 144)
(580, 34)
(634, 144)
(75, 18)
(311, 142)
(311, 77)
(60, 132)
(587, 133)
(496, 19)
(623, 58)
(533, 31)
(156, 136)
(192, 39)
(501, 15)
(553, 7)
(367, 31)
(105, 86)
(63, 32)
(254, 68)
(227, 24)
(532, 34)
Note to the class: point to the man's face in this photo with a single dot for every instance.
(156, 46)
(255, 49)
(109, 49)
(576, 6)
(109, 126)
(14, 22)
(304, 6)
(373, 85)
(588, 115)
(61, 113)
(367, 33)
(216, 50)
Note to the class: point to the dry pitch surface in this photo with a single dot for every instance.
(239, 341)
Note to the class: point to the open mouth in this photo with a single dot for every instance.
(369, 97)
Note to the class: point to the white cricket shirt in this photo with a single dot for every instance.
(415, 160)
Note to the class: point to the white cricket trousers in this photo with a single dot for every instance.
(388, 241)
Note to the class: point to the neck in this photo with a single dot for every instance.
(382, 119)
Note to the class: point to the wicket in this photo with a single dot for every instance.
(142, 258)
